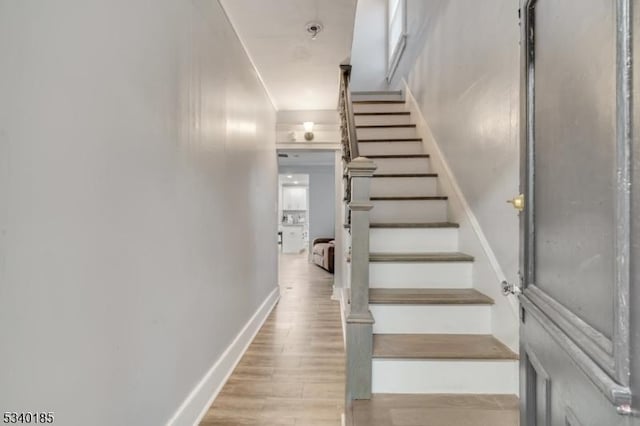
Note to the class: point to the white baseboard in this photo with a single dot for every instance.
(202, 396)
(488, 273)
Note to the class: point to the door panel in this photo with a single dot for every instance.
(571, 395)
(574, 152)
(539, 389)
(575, 229)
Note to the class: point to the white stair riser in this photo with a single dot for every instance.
(393, 148)
(377, 96)
(413, 240)
(382, 119)
(382, 107)
(395, 186)
(386, 133)
(403, 211)
(402, 165)
(445, 376)
(438, 319)
(420, 274)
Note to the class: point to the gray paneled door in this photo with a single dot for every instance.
(576, 225)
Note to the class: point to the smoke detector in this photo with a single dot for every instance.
(314, 28)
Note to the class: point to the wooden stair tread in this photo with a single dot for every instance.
(435, 400)
(383, 113)
(406, 175)
(415, 225)
(401, 175)
(386, 140)
(380, 101)
(411, 198)
(434, 409)
(376, 92)
(411, 225)
(383, 126)
(399, 156)
(421, 257)
(430, 296)
(441, 346)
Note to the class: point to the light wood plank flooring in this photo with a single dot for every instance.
(293, 372)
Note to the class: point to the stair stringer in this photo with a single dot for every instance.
(487, 272)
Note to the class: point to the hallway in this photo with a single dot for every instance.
(476, 164)
(293, 372)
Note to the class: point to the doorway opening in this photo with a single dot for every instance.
(307, 204)
(293, 213)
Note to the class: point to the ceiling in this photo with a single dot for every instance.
(294, 179)
(300, 73)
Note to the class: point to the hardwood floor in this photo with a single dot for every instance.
(293, 372)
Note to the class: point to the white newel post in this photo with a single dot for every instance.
(359, 318)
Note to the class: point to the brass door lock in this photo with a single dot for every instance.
(517, 202)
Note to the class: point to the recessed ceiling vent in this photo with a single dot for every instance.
(314, 28)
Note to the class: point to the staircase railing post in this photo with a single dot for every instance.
(359, 319)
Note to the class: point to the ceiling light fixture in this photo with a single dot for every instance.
(314, 28)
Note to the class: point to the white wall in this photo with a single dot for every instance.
(290, 131)
(369, 48)
(137, 204)
(318, 116)
(465, 78)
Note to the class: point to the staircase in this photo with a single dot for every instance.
(432, 332)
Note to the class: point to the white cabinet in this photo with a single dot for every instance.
(294, 198)
(292, 239)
